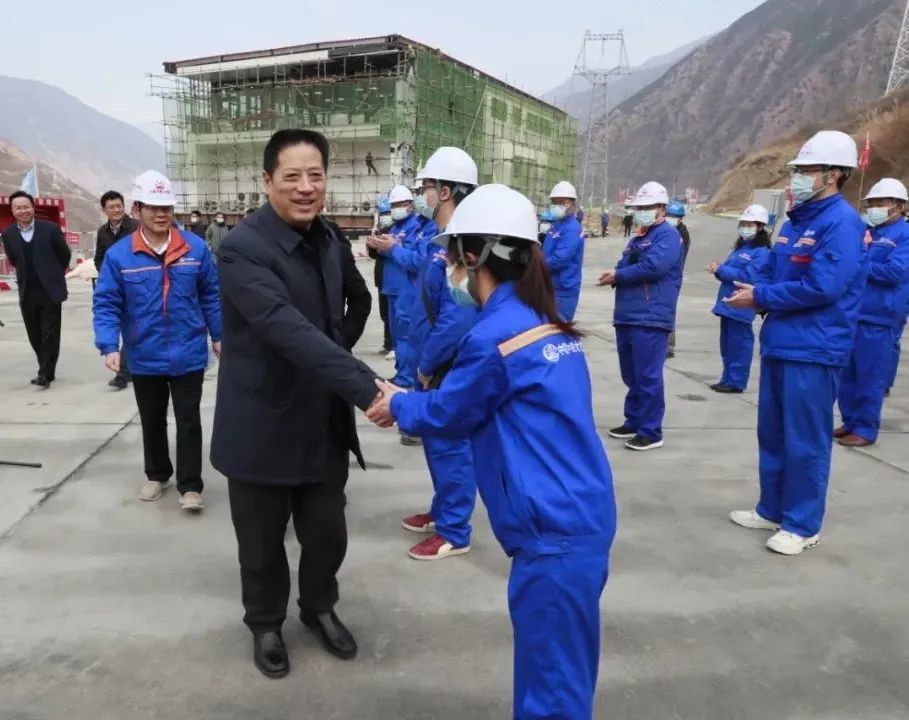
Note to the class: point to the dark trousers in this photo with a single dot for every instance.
(152, 395)
(383, 313)
(260, 514)
(42, 318)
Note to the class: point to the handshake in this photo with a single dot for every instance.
(379, 412)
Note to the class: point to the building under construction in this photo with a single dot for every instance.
(385, 103)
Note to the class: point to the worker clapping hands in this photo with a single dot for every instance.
(742, 298)
(382, 243)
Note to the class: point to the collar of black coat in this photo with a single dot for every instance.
(288, 236)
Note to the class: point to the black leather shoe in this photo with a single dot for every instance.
(270, 655)
(41, 381)
(728, 390)
(119, 382)
(331, 631)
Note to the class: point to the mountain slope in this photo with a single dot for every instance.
(95, 150)
(785, 64)
(573, 95)
(887, 123)
(83, 214)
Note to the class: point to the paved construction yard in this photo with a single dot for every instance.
(115, 610)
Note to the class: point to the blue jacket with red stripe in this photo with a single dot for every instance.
(648, 279)
(887, 293)
(164, 308)
(813, 284)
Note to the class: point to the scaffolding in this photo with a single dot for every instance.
(385, 104)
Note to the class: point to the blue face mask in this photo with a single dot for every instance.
(802, 187)
(421, 207)
(558, 211)
(459, 293)
(747, 233)
(645, 218)
(875, 216)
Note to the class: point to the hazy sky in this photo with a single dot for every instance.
(102, 52)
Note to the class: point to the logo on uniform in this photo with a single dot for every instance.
(806, 242)
(553, 353)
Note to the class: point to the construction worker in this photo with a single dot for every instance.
(520, 390)
(865, 380)
(564, 248)
(383, 224)
(675, 216)
(159, 289)
(216, 232)
(811, 292)
(628, 222)
(439, 324)
(745, 263)
(647, 281)
(403, 254)
(421, 208)
(604, 222)
(547, 218)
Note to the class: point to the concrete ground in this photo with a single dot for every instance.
(115, 610)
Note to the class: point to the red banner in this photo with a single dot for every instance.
(865, 157)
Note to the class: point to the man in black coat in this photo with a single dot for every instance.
(118, 226)
(293, 304)
(38, 251)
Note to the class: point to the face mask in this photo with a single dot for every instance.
(459, 293)
(802, 187)
(747, 233)
(421, 207)
(194, 219)
(220, 221)
(674, 221)
(385, 221)
(398, 214)
(545, 227)
(875, 216)
(645, 218)
(559, 211)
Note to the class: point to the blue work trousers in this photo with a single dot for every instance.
(454, 485)
(642, 354)
(865, 380)
(897, 353)
(567, 304)
(554, 602)
(795, 437)
(736, 349)
(399, 321)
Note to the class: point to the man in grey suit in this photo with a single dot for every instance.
(38, 251)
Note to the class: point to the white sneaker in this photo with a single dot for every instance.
(750, 519)
(152, 490)
(391, 356)
(191, 502)
(787, 543)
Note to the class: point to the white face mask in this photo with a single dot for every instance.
(385, 221)
(558, 211)
(399, 213)
(645, 218)
(674, 221)
(545, 227)
(876, 216)
(747, 232)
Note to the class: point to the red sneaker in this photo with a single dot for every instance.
(435, 547)
(420, 523)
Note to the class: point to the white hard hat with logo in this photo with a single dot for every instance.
(152, 188)
(888, 188)
(399, 193)
(451, 164)
(493, 210)
(755, 213)
(564, 189)
(828, 147)
(651, 193)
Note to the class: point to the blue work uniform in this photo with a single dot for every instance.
(745, 264)
(438, 325)
(866, 379)
(812, 290)
(398, 282)
(648, 279)
(520, 390)
(898, 348)
(564, 251)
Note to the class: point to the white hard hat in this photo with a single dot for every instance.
(493, 210)
(564, 189)
(828, 147)
(152, 188)
(399, 193)
(451, 164)
(651, 193)
(888, 188)
(755, 213)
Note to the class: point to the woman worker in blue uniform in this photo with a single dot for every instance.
(647, 282)
(403, 254)
(520, 390)
(564, 248)
(744, 264)
(867, 378)
(438, 326)
(811, 291)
